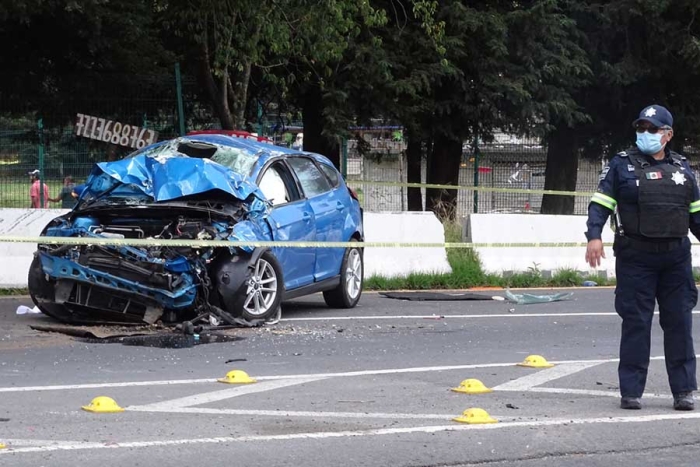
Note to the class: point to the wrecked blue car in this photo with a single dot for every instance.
(202, 187)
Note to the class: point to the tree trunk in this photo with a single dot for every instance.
(218, 95)
(314, 140)
(443, 169)
(561, 171)
(238, 94)
(414, 153)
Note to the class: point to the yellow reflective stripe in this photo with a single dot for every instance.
(695, 206)
(605, 200)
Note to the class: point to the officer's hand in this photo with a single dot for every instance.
(594, 251)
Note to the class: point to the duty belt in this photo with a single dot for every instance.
(643, 245)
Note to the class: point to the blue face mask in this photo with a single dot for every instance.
(649, 143)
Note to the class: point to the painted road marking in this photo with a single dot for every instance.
(296, 413)
(78, 446)
(185, 404)
(215, 396)
(500, 315)
(317, 375)
(596, 393)
(541, 377)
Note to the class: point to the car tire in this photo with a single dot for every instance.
(352, 279)
(262, 290)
(42, 293)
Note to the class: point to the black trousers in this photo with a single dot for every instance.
(645, 276)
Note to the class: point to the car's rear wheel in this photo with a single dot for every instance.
(349, 291)
(262, 291)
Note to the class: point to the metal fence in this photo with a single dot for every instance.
(69, 137)
(502, 165)
(102, 120)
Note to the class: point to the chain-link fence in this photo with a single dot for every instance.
(103, 119)
(507, 163)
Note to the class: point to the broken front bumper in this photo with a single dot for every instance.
(83, 288)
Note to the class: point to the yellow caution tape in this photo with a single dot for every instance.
(257, 244)
(472, 188)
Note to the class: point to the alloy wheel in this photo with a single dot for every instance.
(353, 274)
(262, 289)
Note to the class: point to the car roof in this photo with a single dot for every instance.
(264, 150)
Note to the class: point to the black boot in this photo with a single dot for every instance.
(631, 403)
(683, 401)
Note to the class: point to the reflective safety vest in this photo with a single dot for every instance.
(665, 194)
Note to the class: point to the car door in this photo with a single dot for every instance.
(328, 211)
(291, 219)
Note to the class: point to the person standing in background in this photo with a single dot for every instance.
(35, 191)
(66, 197)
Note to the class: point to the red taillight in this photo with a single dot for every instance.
(353, 194)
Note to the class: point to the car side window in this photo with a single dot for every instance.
(331, 173)
(273, 187)
(312, 181)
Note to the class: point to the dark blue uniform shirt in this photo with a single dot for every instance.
(618, 186)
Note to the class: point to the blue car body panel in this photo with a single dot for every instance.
(160, 173)
(295, 222)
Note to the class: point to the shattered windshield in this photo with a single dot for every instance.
(235, 159)
(238, 160)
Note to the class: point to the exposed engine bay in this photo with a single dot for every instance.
(170, 192)
(123, 283)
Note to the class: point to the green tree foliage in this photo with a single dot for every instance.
(57, 53)
(294, 46)
(506, 66)
(640, 52)
(575, 73)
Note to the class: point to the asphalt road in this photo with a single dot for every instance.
(370, 387)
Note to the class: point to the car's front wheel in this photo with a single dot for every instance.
(262, 290)
(349, 291)
(41, 291)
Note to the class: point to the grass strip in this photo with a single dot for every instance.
(467, 272)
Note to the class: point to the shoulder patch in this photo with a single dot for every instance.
(604, 172)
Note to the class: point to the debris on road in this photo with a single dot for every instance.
(529, 299)
(435, 296)
(25, 310)
(142, 336)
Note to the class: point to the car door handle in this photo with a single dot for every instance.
(340, 206)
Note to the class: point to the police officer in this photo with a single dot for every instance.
(654, 199)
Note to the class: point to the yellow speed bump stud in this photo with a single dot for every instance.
(236, 377)
(472, 386)
(103, 404)
(2, 446)
(536, 361)
(475, 416)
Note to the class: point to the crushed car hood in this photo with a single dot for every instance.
(164, 174)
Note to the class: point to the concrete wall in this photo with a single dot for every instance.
(379, 227)
(533, 228)
(404, 227)
(15, 258)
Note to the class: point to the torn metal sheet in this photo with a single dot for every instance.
(435, 296)
(529, 299)
(166, 172)
(96, 332)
